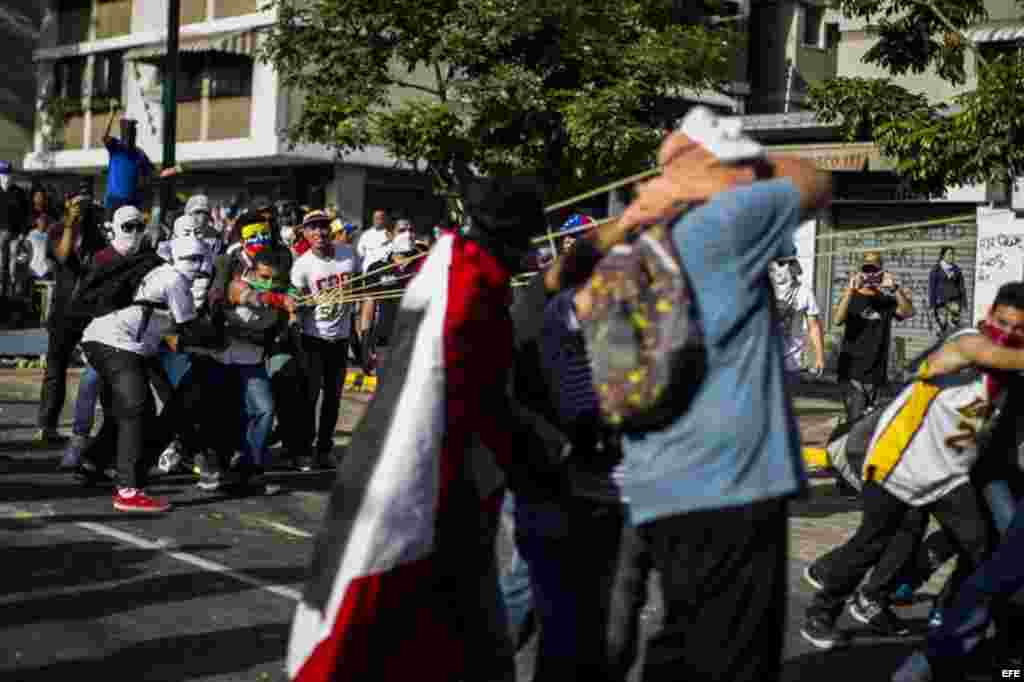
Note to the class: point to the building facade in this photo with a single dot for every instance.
(19, 31)
(95, 56)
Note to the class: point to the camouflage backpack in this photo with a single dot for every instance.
(642, 334)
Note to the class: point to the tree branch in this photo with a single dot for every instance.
(415, 86)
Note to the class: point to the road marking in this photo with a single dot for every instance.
(185, 557)
(283, 527)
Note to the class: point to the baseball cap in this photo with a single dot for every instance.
(721, 135)
(127, 214)
(315, 218)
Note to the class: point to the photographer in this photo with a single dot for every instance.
(72, 246)
(866, 310)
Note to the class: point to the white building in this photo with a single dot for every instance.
(231, 108)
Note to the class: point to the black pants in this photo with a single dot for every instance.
(63, 338)
(960, 512)
(291, 400)
(724, 580)
(195, 411)
(858, 397)
(325, 365)
(130, 426)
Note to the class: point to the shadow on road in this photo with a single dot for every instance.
(185, 657)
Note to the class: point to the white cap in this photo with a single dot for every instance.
(185, 225)
(183, 247)
(721, 135)
(127, 214)
(196, 203)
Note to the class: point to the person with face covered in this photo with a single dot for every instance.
(798, 317)
(326, 326)
(920, 458)
(873, 299)
(118, 345)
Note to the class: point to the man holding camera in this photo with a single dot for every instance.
(866, 311)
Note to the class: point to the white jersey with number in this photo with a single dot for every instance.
(313, 274)
(926, 441)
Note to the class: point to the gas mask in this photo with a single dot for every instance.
(128, 231)
(188, 254)
(255, 237)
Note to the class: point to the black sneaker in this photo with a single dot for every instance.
(821, 632)
(304, 463)
(877, 616)
(88, 474)
(811, 576)
(325, 460)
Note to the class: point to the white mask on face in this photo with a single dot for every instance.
(5, 182)
(782, 276)
(188, 254)
(127, 243)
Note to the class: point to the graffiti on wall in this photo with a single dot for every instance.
(996, 255)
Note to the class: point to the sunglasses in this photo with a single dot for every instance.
(131, 228)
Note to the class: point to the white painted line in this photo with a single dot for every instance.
(185, 557)
(283, 527)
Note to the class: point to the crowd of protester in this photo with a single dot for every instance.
(241, 307)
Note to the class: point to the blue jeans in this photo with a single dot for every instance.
(998, 579)
(258, 406)
(515, 579)
(85, 402)
(176, 365)
(570, 545)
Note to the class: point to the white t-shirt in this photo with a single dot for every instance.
(795, 305)
(373, 247)
(313, 274)
(120, 329)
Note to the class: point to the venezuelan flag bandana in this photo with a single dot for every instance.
(255, 237)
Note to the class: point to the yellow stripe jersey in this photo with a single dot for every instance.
(926, 440)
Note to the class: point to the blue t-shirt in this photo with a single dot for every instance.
(738, 442)
(126, 165)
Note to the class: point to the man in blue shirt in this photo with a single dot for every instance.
(127, 165)
(708, 494)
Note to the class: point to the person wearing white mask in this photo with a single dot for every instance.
(118, 345)
(798, 317)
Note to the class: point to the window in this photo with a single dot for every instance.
(236, 8)
(230, 75)
(190, 78)
(107, 78)
(73, 17)
(193, 11)
(814, 17)
(69, 77)
(113, 18)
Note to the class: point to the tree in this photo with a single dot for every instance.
(971, 140)
(567, 90)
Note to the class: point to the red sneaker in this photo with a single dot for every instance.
(132, 500)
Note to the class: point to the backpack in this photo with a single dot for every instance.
(642, 334)
(112, 286)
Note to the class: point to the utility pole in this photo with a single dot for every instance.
(171, 68)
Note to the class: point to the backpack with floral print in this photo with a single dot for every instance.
(642, 333)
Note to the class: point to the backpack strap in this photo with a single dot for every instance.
(147, 314)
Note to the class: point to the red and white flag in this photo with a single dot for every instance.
(370, 610)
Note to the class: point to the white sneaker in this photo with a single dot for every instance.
(170, 458)
(914, 669)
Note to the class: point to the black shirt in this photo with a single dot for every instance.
(866, 336)
(14, 211)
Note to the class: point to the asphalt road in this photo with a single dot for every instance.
(206, 593)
